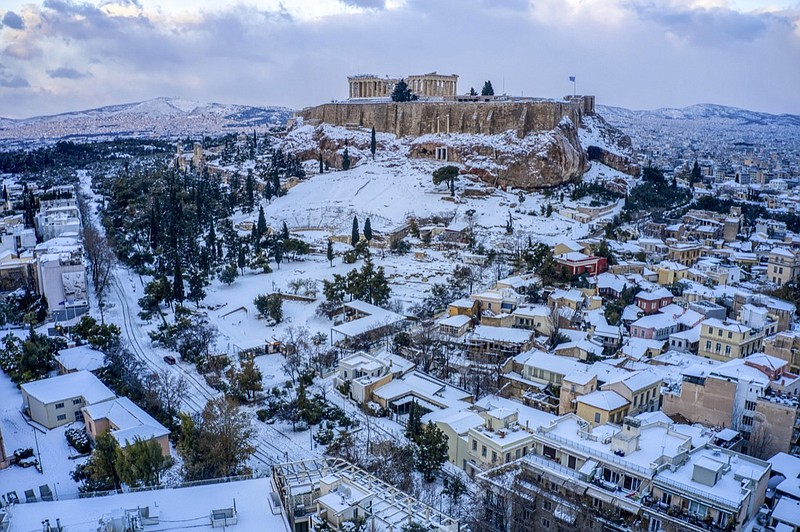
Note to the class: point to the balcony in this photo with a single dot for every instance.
(683, 518)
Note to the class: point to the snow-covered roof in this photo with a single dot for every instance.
(79, 384)
(560, 365)
(82, 357)
(787, 510)
(456, 321)
(527, 416)
(604, 400)
(131, 422)
(502, 334)
(786, 464)
(636, 348)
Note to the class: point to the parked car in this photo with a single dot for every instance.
(169, 359)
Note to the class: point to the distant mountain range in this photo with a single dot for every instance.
(176, 118)
(156, 118)
(718, 114)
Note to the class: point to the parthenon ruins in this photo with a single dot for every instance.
(425, 85)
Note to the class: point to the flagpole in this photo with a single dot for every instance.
(574, 86)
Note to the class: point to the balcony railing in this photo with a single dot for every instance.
(685, 520)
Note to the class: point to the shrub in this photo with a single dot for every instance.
(79, 440)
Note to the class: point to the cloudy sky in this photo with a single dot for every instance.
(64, 55)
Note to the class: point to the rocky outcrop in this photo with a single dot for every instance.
(622, 163)
(538, 160)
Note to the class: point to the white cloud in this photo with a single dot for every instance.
(640, 54)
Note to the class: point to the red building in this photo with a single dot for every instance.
(578, 263)
(650, 302)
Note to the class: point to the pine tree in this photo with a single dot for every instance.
(329, 252)
(140, 463)
(487, 90)
(446, 174)
(431, 451)
(276, 182)
(241, 258)
(261, 225)
(285, 231)
(354, 236)
(368, 229)
(401, 92)
(249, 191)
(278, 252)
(101, 464)
(345, 159)
(472, 91)
(696, 173)
(373, 143)
(229, 274)
(178, 293)
(414, 424)
(197, 283)
(249, 377)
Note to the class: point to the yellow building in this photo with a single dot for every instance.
(783, 267)
(684, 252)
(601, 407)
(727, 340)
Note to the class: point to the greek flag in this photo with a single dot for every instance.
(572, 78)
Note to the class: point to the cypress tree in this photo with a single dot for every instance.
(345, 159)
(321, 166)
(285, 231)
(368, 229)
(372, 143)
(261, 226)
(330, 251)
(178, 293)
(354, 236)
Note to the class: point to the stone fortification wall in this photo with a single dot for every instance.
(421, 118)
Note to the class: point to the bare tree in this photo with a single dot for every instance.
(98, 250)
(296, 342)
(760, 444)
(165, 389)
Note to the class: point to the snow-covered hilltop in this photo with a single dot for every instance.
(156, 118)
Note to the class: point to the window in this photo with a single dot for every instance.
(508, 457)
(708, 345)
(597, 504)
(62, 417)
(547, 505)
(718, 347)
(494, 457)
(545, 523)
(749, 405)
(474, 445)
(655, 525)
(666, 498)
(730, 335)
(77, 401)
(728, 350)
(710, 331)
(516, 454)
(59, 405)
(483, 451)
(597, 417)
(747, 420)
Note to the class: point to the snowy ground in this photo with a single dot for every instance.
(55, 455)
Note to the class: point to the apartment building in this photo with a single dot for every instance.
(783, 266)
(756, 395)
(727, 339)
(640, 476)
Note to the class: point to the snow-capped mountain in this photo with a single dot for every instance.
(156, 118)
(719, 114)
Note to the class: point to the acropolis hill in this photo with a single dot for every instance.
(548, 151)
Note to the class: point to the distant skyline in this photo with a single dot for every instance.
(64, 55)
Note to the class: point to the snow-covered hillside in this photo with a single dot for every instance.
(156, 118)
